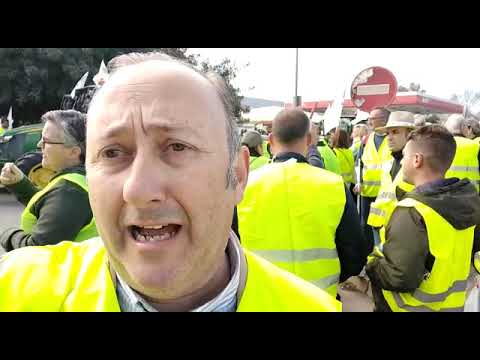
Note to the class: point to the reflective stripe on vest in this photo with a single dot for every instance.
(289, 214)
(465, 163)
(75, 277)
(347, 164)
(444, 288)
(382, 208)
(28, 219)
(373, 161)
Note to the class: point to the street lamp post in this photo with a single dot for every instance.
(297, 100)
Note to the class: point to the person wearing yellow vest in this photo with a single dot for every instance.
(61, 210)
(372, 155)
(253, 140)
(4, 124)
(339, 144)
(466, 163)
(163, 182)
(359, 131)
(430, 236)
(298, 216)
(392, 188)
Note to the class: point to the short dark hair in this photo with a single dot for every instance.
(439, 146)
(290, 125)
(73, 124)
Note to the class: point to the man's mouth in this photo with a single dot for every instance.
(154, 233)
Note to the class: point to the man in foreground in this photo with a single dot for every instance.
(164, 179)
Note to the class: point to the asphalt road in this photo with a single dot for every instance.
(10, 211)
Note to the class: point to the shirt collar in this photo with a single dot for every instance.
(222, 301)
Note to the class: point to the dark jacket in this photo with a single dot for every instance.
(351, 245)
(407, 257)
(314, 158)
(61, 213)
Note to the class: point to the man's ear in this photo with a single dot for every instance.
(272, 143)
(418, 160)
(242, 165)
(75, 152)
(309, 139)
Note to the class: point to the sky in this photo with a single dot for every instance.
(325, 73)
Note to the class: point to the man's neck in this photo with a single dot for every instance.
(292, 149)
(210, 290)
(427, 178)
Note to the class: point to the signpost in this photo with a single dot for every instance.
(373, 87)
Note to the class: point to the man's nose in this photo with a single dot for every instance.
(146, 182)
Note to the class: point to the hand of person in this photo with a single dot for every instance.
(357, 188)
(11, 174)
(356, 283)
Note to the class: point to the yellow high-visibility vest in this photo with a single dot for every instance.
(289, 215)
(372, 166)
(382, 208)
(28, 219)
(444, 288)
(75, 277)
(465, 163)
(347, 164)
(258, 161)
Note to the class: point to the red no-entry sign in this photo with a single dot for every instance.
(375, 86)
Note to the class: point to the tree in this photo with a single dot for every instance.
(416, 87)
(228, 71)
(470, 99)
(34, 80)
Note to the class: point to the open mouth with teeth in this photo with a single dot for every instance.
(154, 233)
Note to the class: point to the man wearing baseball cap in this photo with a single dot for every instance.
(253, 140)
(392, 188)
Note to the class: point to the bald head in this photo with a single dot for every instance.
(454, 124)
(290, 126)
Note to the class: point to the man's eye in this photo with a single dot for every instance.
(178, 147)
(111, 153)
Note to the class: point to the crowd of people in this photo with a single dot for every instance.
(161, 206)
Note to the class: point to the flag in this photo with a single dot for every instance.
(10, 119)
(102, 75)
(333, 114)
(80, 84)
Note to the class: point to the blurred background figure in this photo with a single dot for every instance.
(340, 144)
(420, 120)
(470, 128)
(253, 140)
(467, 155)
(358, 133)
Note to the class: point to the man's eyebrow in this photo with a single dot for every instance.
(122, 129)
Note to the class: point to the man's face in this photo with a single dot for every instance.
(5, 124)
(55, 153)
(376, 119)
(397, 138)
(157, 161)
